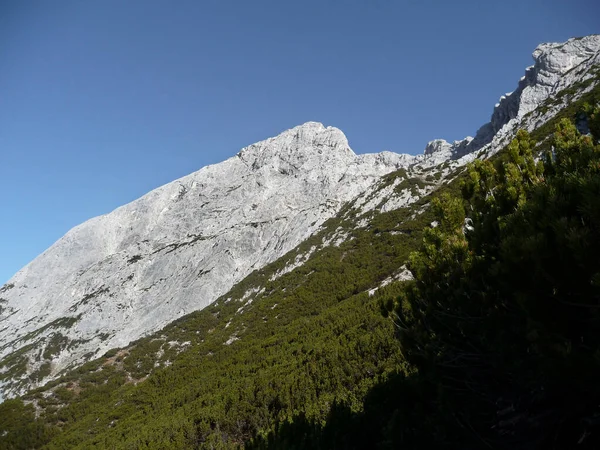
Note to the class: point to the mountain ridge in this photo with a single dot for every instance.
(259, 206)
(552, 71)
(179, 247)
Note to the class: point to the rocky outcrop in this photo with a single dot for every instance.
(177, 249)
(557, 66)
(120, 276)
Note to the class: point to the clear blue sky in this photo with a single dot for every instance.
(101, 101)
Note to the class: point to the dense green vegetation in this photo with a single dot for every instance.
(504, 318)
(502, 321)
(493, 345)
(306, 340)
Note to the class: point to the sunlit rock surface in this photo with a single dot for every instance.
(123, 275)
(119, 276)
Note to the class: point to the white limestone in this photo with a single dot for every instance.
(178, 248)
(123, 275)
(556, 67)
(403, 275)
(298, 261)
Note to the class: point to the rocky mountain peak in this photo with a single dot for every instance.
(437, 146)
(175, 250)
(556, 67)
(559, 58)
(178, 248)
(301, 147)
(552, 63)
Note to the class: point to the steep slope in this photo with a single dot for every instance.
(175, 250)
(557, 68)
(120, 276)
(287, 343)
(291, 338)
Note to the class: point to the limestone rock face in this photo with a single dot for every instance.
(437, 146)
(175, 250)
(552, 64)
(117, 277)
(556, 67)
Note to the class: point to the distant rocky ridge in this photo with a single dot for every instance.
(175, 250)
(556, 67)
(119, 276)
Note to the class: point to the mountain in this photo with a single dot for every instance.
(117, 277)
(260, 237)
(557, 67)
(120, 276)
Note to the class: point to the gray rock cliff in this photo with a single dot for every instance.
(120, 276)
(556, 67)
(175, 250)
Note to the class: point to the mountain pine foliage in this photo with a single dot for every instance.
(495, 344)
(501, 323)
(503, 316)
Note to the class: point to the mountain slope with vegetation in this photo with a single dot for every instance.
(129, 273)
(500, 325)
(300, 354)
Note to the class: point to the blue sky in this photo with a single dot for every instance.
(101, 101)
